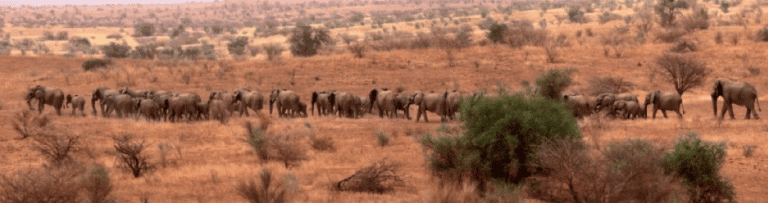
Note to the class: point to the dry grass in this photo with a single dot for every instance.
(380, 177)
(57, 184)
(269, 189)
(28, 123)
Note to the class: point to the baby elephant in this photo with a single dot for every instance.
(78, 102)
(629, 109)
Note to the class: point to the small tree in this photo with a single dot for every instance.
(496, 32)
(129, 152)
(576, 15)
(144, 29)
(358, 49)
(682, 71)
(698, 163)
(273, 50)
(114, 50)
(553, 82)
(667, 9)
(56, 148)
(237, 45)
(305, 40)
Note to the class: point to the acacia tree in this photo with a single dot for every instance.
(305, 40)
(682, 71)
(667, 9)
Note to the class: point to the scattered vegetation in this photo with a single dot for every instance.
(748, 150)
(237, 46)
(322, 143)
(273, 50)
(93, 64)
(761, 35)
(129, 153)
(114, 50)
(553, 82)
(144, 29)
(57, 148)
(382, 138)
(97, 184)
(28, 123)
(305, 40)
(380, 177)
(682, 71)
(268, 188)
(698, 164)
(51, 184)
(684, 45)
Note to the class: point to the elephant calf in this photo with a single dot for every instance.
(78, 102)
(218, 110)
(148, 108)
(630, 109)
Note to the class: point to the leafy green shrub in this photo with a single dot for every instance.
(305, 40)
(382, 138)
(698, 164)
(748, 150)
(553, 83)
(114, 50)
(93, 64)
(500, 138)
(496, 32)
(237, 45)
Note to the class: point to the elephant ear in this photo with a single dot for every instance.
(655, 95)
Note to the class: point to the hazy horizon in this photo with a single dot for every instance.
(94, 2)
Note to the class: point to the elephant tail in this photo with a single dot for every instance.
(757, 101)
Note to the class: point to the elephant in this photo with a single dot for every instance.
(147, 108)
(578, 104)
(122, 104)
(203, 111)
(433, 102)
(665, 101)
(218, 110)
(734, 92)
(403, 102)
(249, 99)
(161, 100)
(629, 109)
(134, 93)
(345, 104)
(45, 96)
(385, 101)
(78, 102)
(228, 98)
(454, 100)
(180, 106)
(359, 112)
(285, 100)
(365, 103)
(605, 100)
(101, 94)
(302, 110)
(325, 101)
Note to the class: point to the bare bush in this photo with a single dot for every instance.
(698, 19)
(379, 177)
(129, 153)
(323, 143)
(682, 71)
(273, 50)
(629, 171)
(599, 85)
(670, 35)
(27, 123)
(287, 150)
(55, 184)
(268, 189)
(57, 148)
(522, 33)
(616, 39)
(358, 49)
(684, 45)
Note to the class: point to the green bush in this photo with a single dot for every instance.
(305, 40)
(553, 83)
(93, 64)
(237, 45)
(382, 138)
(698, 164)
(114, 50)
(500, 138)
(496, 32)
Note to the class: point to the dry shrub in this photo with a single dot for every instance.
(684, 45)
(97, 185)
(379, 177)
(551, 51)
(256, 139)
(748, 150)
(268, 189)
(696, 20)
(454, 193)
(719, 37)
(628, 171)
(599, 85)
(734, 39)
(57, 148)
(287, 149)
(129, 154)
(382, 139)
(670, 35)
(28, 123)
(54, 184)
(522, 33)
(358, 49)
(323, 143)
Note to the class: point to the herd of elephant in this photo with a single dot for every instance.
(170, 106)
(627, 106)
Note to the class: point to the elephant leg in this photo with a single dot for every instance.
(749, 111)
(730, 111)
(754, 112)
(679, 115)
(664, 112)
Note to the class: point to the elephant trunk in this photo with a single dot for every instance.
(271, 102)
(93, 104)
(714, 104)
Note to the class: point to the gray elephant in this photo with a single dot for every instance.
(345, 104)
(203, 110)
(218, 110)
(45, 96)
(161, 100)
(302, 110)
(147, 108)
(628, 109)
(579, 105)
(454, 100)
(734, 92)
(325, 102)
(228, 98)
(134, 93)
(359, 111)
(249, 99)
(665, 101)
(78, 102)
(183, 105)
(101, 94)
(385, 101)
(432, 102)
(403, 102)
(286, 101)
(605, 100)
(121, 104)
